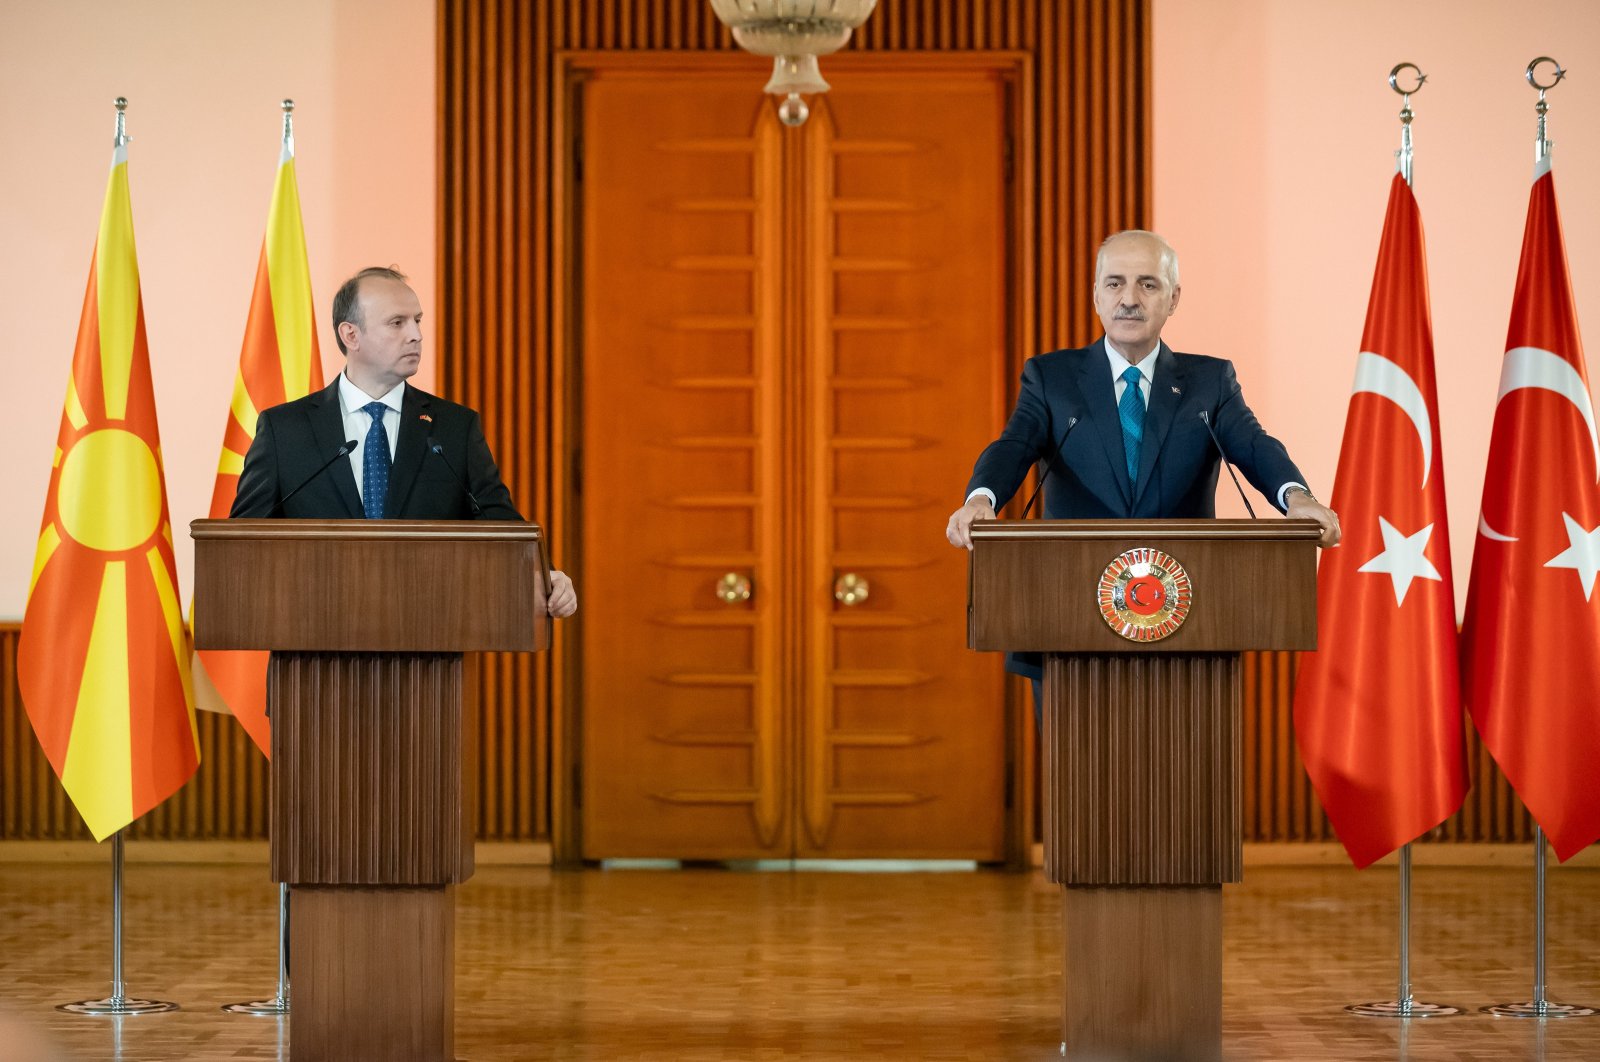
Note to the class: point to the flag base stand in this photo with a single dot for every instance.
(278, 1005)
(118, 1006)
(1540, 1008)
(1402, 1008)
(266, 1008)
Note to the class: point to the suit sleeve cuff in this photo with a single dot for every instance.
(1283, 494)
(983, 492)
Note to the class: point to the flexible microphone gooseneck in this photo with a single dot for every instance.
(1072, 422)
(1205, 418)
(461, 481)
(343, 451)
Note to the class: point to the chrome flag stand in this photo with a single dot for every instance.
(1403, 1005)
(117, 1003)
(1539, 1006)
(278, 1004)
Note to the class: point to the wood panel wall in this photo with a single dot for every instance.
(227, 800)
(1085, 164)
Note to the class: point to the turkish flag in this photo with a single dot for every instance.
(1531, 641)
(1377, 707)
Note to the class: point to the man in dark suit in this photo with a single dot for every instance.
(1125, 423)
(418, 457)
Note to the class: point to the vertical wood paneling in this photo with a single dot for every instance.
(499, 250)
(227, 800)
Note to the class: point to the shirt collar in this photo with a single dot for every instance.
(352, 398)
(1119, 364)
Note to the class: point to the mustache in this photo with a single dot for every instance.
(1128, 315)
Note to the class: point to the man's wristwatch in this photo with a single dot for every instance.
(1297, 489)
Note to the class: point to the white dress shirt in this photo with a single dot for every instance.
(357, 422)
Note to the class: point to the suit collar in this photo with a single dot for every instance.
(1100, 406)
(410, 449)
(1166, 394)
(327, 428)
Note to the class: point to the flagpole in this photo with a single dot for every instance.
(117, 1003)
(278, 1004)
(1540, 1006)
(1403, 1005)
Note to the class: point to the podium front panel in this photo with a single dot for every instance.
(1034, 584)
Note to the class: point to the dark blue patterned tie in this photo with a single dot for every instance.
(375, 462)
(1131, 412)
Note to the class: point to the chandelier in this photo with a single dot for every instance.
(794, 33)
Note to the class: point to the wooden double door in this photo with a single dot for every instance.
(792, 346)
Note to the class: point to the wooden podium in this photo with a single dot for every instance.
(1141, 754)
(373, 779)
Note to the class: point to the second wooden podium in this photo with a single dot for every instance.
(1141, 624)
(373, 779)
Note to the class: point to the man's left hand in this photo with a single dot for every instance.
(563, 600)
(1303, 506)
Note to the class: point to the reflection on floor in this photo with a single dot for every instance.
(711, 964)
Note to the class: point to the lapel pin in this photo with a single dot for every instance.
(1177, 390)
(424, 416)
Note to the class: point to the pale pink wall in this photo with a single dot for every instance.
(203, 82)
(1274, 137)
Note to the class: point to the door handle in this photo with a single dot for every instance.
(733, 588)
(850, 589)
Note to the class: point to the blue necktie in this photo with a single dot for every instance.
(375, 463)
(1131, 412)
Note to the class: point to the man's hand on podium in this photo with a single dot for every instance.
(563, 598)
(1302, 506)
(958, 532)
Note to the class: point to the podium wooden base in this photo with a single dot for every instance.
(1143, 972)
(374, 973)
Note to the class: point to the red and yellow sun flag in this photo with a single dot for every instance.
(103, 664)
(278, 363)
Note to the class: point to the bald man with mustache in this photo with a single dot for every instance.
(1126, 423)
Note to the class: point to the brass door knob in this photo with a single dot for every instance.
(850, 589)
(733, 588)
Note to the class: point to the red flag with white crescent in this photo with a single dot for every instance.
(1531, 640)
(1377, 707)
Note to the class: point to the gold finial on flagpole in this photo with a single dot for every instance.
(122, 138)
(1406, 114)
(1541, 148)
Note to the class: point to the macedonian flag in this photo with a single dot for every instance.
(104, 659)
(278, 363)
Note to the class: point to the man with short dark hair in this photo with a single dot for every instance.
(418, 457)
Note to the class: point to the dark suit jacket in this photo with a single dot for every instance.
(293, 439)
(1178, 463)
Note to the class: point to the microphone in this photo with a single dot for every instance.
(343, 451)
(1072, 422)
(461, 481)
(1205, 418)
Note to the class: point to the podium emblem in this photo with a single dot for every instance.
(1144, 595)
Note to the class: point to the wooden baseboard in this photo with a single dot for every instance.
(538, 854)
(487, 853)
(1451, 854)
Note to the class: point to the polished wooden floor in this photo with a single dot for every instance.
(714, 964)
